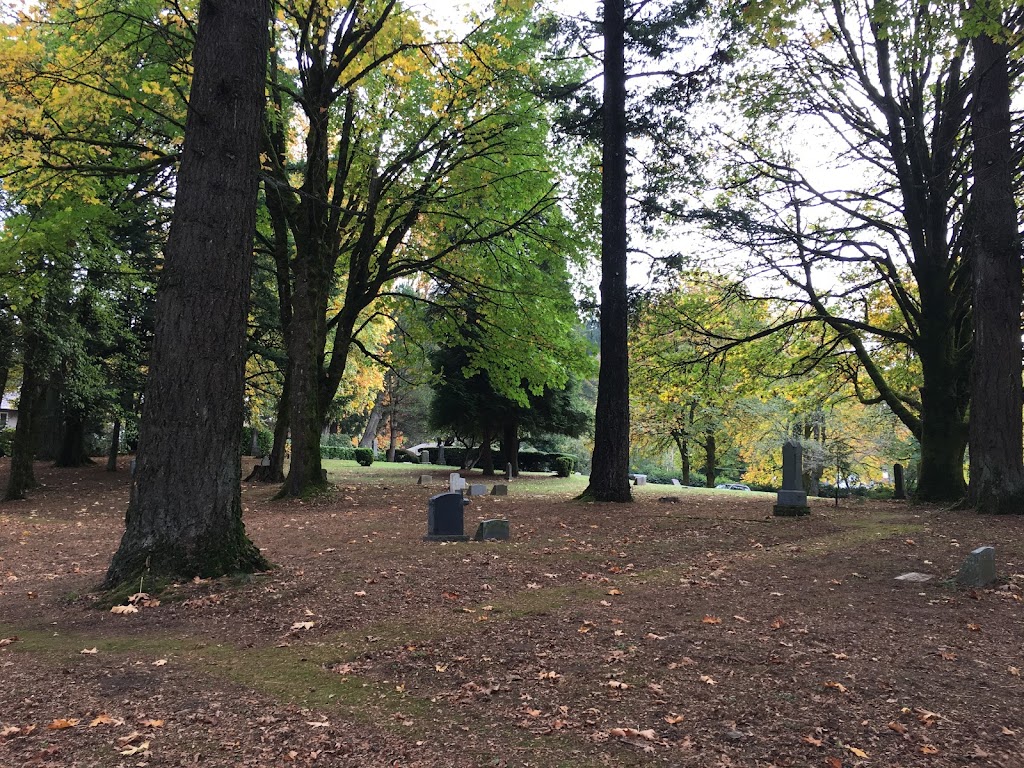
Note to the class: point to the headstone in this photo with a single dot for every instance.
(670, 500)
(492, 530)
(425, 456)
(508, 471)
(440, 453)
(979, 569)
(640, 479)
(444, 518)
(792, 499)
(424, 480)
(499, 490)
(675, 482)
(477, 489)
(265, 461)
(915, 578)
(131, 467)
(456, 482)
(899, 492)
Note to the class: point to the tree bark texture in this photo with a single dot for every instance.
(185, 516)
(23, 449)
(710, 458)
(996, 436)
(115, 446)
(609, 473)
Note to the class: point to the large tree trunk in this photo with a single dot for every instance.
(684, 455)
(369, 438)
(996, 438)
(711, 458)
(184, 518)
(510, 444)
(72, 452)
(609, 469)
(486, 452)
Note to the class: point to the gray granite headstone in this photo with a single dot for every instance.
(675, 481)
(445, 518)
(425, 456)
(424, 480)
(640, 479)
(265, 461)
(499, 490)
(456, 482)
(440, 453)
(492, 530)
(508, 471)
(979, 569)
(899, 491)
(792, 499)
(915, 577)
(476, 489)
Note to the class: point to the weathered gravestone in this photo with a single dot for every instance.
(979, 569)
(424, 480)
(456, 482)
(508, 471)
(476, 489)
(499, 490)
(425, 456)
(675, 481)
(915, 577)
(792, 499)
(440, 453)
(492, 530)
(445, 518)
(899, 492)
(640, 479)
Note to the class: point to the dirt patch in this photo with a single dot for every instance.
(697, 633)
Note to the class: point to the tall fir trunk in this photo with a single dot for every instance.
(72, 451)
(510, 444)
(184, 518)
(684, 455)
(996, 438)
(609, 473)
(486, 452)
(23, 448)
(115, 446)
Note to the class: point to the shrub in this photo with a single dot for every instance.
(564, 465)
(6, 439)
(364, 456)
(339, 452)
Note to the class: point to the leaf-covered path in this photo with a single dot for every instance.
(696, 633)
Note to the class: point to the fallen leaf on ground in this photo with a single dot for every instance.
(153, 723)
(5, 641)
(105, 719)
(319, 724)
(61, 723)
(614, 591)
(711, 620)
(303, 625)
(928, 749)
(974, 627)
(617, 684)
(89, 650)
(123, 609)
(10, 730)
(708, 679)
(900, 728)
(838, 686)
(672, 718)
(159, 662)
(811, 740)
(858, 752)
(143, 747)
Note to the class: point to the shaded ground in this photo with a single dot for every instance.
(698, 633)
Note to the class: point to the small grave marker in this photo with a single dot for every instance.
(499, 490)
(640, 479)
(675, 481)
(915, 578)
(492, 530)
(792, 499)
(445, 518)
(508, 471)
(424, 480)
(425, 456)
(979, 569)
(456, 482)
(476, 489)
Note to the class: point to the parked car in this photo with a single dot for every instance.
(732, 487)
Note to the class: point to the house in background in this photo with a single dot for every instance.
(8, 411)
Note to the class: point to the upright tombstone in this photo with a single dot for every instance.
(675, 481)
(424, 456)
(445, 519)
(499, 490)
(492, 530)
(640, 479)
(792, 499)
(508, 471)
(477, 489)
(440, 453)
(899, 491)
(456, 482)
(424, 480)
(979, 569)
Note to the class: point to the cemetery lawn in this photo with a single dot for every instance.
(697, 633)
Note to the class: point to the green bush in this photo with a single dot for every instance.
(264, 441)
(564, 465)
(364, 456)
(6, 439)
(338, 452)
